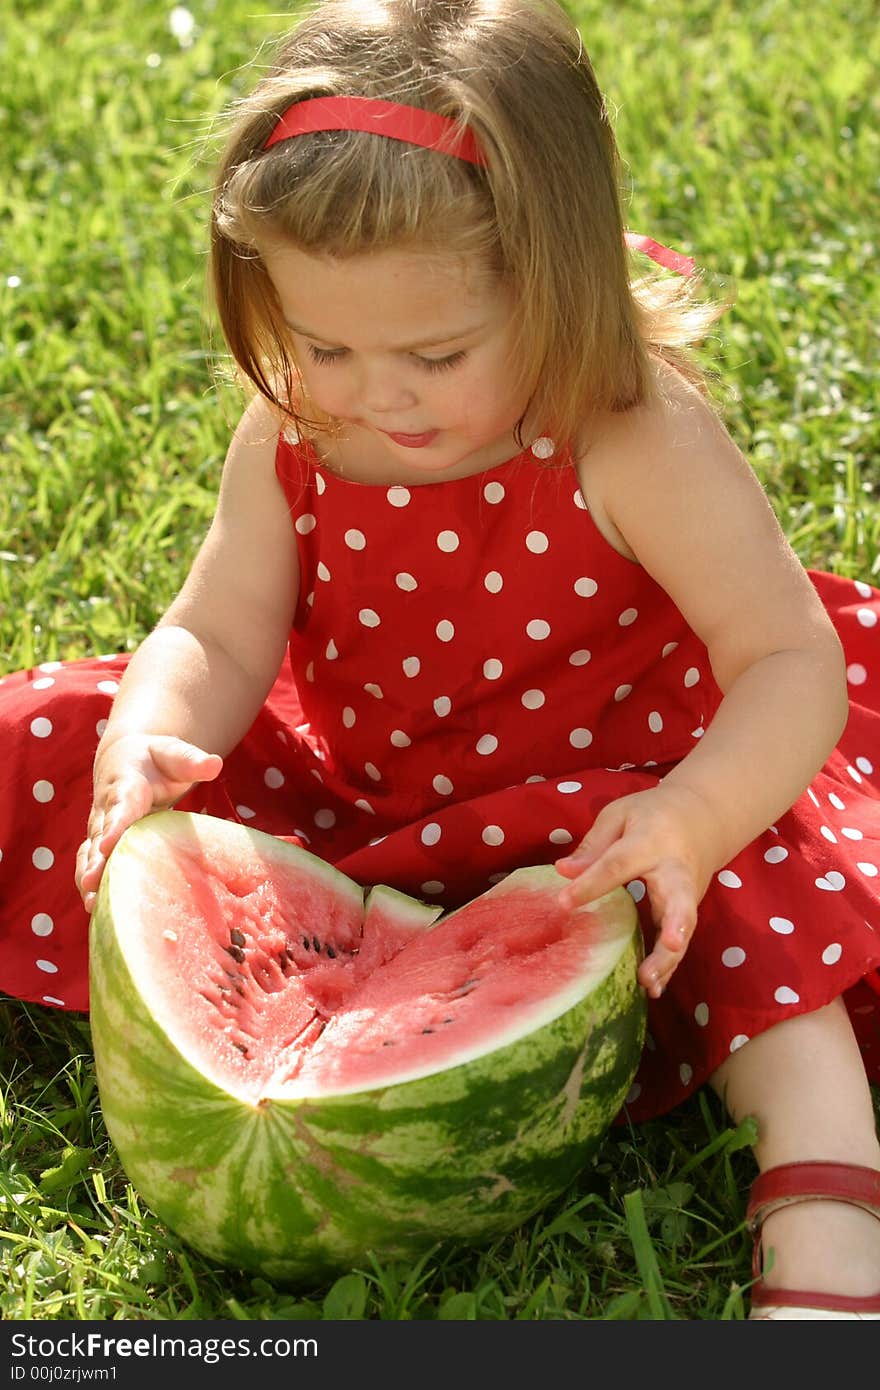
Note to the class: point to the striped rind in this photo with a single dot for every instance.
(299, 1188)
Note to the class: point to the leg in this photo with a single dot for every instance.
(805, 1084)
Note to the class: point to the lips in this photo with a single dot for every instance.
(413, 441)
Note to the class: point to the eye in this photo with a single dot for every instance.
(325, 355)
(442, 364)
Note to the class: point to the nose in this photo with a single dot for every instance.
(383, 391)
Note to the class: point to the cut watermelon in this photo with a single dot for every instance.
(294, 1074)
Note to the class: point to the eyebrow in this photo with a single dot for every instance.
(408, 347)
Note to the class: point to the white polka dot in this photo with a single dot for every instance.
(828, 833)
(670, 647)
(580, 738)
(836, 802)
(49, 666)
(493, 582)
(442, 785)
(729, 879)
(782, 925)
(865, 765)
(585, 587)
(372, 771)
(51, 999)
(493, 492)
(580, 658)
(398, 496)
(400, 739)
(636, 890)
(568, 787)
(101, 727)
(310, 671)
(448, 541)
(487, 744)
(445, 630)
(832, 882)
(42, 858)
(374, 690)
(621, 692)
(538, 629)
(43, 683)
(853, 774)
(560, 837)
(812, 795)
(369, 617)
(320, 480)
(363, 805)
(349, 717)
(332, 651)
(862, 588)
(108, 687)
(492, 669)
(739, 1041)
(543, 448)
(273, 777)
(411, 666)
(786, 995)
(697, 733)
(686, 1073)
(322, 571)
(42, 924)
(442, 706)
(869, 870)
(47, 966)
(43, 791)
(405, 581)
(655, 721)
(867, 617)
(433, 885)
(41, 728)
(537, 542)
(733, 956)
(431, 834)
(628, 616)
(354, 539)
(245, 812)
(305, 523)
(325, 818)
(579, 500)
(701, 1014)
(856, 673)
(498, 878)
(691, 676)
(533, 699)
(632, 1094)
(831, 955)
(776, 854)
(493, 835)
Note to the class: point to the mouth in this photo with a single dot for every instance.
(412, 441)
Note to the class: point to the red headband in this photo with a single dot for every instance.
(389, 118)
(417, 127)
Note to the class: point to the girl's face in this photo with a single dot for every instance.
(411, 352)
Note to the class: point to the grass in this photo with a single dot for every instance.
(751, 139)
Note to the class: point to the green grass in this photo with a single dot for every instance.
(751, 139)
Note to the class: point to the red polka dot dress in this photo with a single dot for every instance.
(474, 672)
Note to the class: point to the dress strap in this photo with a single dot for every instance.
(670, 260)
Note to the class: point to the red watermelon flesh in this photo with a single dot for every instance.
(263, 963)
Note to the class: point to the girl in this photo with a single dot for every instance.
(536, 606)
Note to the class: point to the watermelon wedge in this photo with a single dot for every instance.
(294, 1072)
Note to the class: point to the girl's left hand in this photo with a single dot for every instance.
(664, 837)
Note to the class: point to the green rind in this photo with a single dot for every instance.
(300, 1189)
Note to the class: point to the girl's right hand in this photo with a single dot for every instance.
(134, 775)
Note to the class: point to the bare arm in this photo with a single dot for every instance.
(689, 508)
(195, 685)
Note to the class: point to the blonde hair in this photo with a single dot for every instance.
(545, 214)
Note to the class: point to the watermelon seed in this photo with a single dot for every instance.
(237, 937)
(316, 943)
(236, 952)
(331, 953)
(306, 943)
(388, 1042)
(448, 1020)
(242, 1047)
(463, 989)
(427, 1030)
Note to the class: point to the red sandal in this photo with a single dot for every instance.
(804, 1182)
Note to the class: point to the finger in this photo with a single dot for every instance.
(183, 762)
(606, 828)
(613, 869)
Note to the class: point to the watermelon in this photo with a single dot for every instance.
(295, 1072)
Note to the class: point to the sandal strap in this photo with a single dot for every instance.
(806, 1182)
